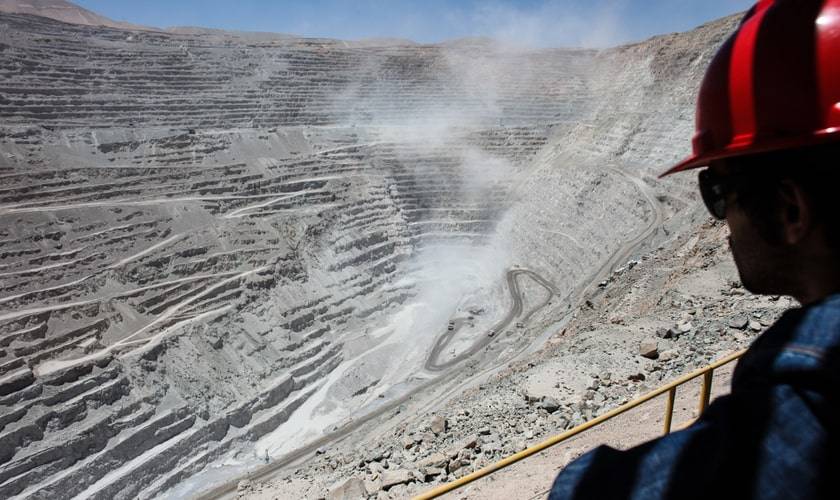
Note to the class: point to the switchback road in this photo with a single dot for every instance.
(433, 362)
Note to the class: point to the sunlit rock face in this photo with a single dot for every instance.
(215, 246)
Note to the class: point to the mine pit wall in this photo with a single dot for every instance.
(601, 170)
(191, 226)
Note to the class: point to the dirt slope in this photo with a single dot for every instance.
(61, 10)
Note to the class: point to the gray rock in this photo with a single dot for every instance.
(685, 327)
(436, 459)
(739, 323)
(669, 355)
(549, 404)
(518, 445)
(756, 326)
(378, 455)
(426, 437)
(532, 398)
(649, 349)
(372, 487)
(433, 472)
(491, 447)
(664, 333)
(350, 489)
(438, 424)
(468, 443)
(394, 477)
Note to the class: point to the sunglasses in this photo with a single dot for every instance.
(714, 190)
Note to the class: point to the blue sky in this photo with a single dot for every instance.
(594, 23)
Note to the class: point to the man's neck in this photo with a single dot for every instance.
(817, 282)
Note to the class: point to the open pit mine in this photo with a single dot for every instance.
(219, 250)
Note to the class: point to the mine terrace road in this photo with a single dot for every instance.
(432, 362)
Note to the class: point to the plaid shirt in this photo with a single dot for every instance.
(775, 436)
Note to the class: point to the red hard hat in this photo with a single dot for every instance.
(775, 84)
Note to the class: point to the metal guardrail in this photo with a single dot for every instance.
(707, 373)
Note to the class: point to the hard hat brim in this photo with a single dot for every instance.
(820, 137)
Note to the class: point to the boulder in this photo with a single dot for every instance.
(350, 489)
(756, 326)
(467, 443)
(378, 455)
(394, 477)
(562, 423)
(739, 323)
(434, 460)
(532, 398)
(433, 472)
(549, 404)
(668, 355)
(426, 437)
(372, 487)
(438, 424)
(666, 333)
(649, 349)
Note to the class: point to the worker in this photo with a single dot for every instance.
(768, 140)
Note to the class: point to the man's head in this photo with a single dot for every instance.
(783, 212)
(768, 129)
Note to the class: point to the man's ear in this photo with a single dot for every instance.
(796, 212)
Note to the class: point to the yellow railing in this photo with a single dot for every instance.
(670, 388)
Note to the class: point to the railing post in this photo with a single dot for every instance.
(669, 409)
(706, 391)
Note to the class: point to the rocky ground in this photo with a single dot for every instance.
(673, 310)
